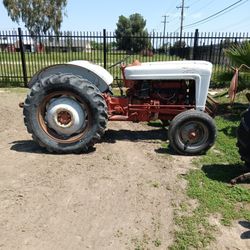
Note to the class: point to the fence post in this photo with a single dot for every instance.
(24, 68)
(196, 37)
(220, 51)
(104, 49)
(210, 52)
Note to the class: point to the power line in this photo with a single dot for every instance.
(171, 20)
(170, 10)
(204, 6)
(194, 3)
(217, 13)
(176, 30)
(233, 25)
(175, 17)
(221, 14)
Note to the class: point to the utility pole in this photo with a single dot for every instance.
(164, 27)
(153, 31)
(164, 23)
(182, 7)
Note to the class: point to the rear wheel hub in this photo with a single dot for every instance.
(64, 117)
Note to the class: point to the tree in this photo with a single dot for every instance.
(131, 34)
(179, 44)
(37, 15)
(239, 53)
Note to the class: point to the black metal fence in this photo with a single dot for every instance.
(22, 55)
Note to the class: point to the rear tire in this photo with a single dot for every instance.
(65, 113)
(192, 132)
(243, 138)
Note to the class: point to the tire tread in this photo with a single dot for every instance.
(187, 115)
(82, 86)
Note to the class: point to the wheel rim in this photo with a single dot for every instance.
(193, 134)
(64, 117)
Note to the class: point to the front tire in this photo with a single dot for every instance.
(65, 113)
(192, 132)
(243, 138)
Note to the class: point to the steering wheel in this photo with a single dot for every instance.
(119, 62)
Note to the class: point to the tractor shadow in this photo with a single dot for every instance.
(225, 173)
(246, 234)
(231, 112)
(158, 132)
(111, 136)
(30, 146)
(27, 146)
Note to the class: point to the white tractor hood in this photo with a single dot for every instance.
(167, 70)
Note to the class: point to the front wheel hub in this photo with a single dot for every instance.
(66, 116)
(192, 135)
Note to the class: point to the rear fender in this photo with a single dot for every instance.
(91, 72)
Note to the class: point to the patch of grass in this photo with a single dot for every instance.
(156, 124)
(157, 242)
(116, 91)
(155, 184)
(15, 90)
(208, 184)
(193, 231)
(141, 244)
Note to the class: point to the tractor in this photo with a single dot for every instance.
(68, 105)
(243, 136)
(243, 131)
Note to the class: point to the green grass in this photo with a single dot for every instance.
(209, 185)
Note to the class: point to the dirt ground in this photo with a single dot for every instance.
(120, 196)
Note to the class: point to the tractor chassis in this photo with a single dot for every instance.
(120, 109)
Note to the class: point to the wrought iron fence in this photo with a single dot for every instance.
(21, 55)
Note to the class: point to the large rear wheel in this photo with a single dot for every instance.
(65, 113)
(192, 132)
(243, 137)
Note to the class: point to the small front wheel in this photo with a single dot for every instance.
(192, 132)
